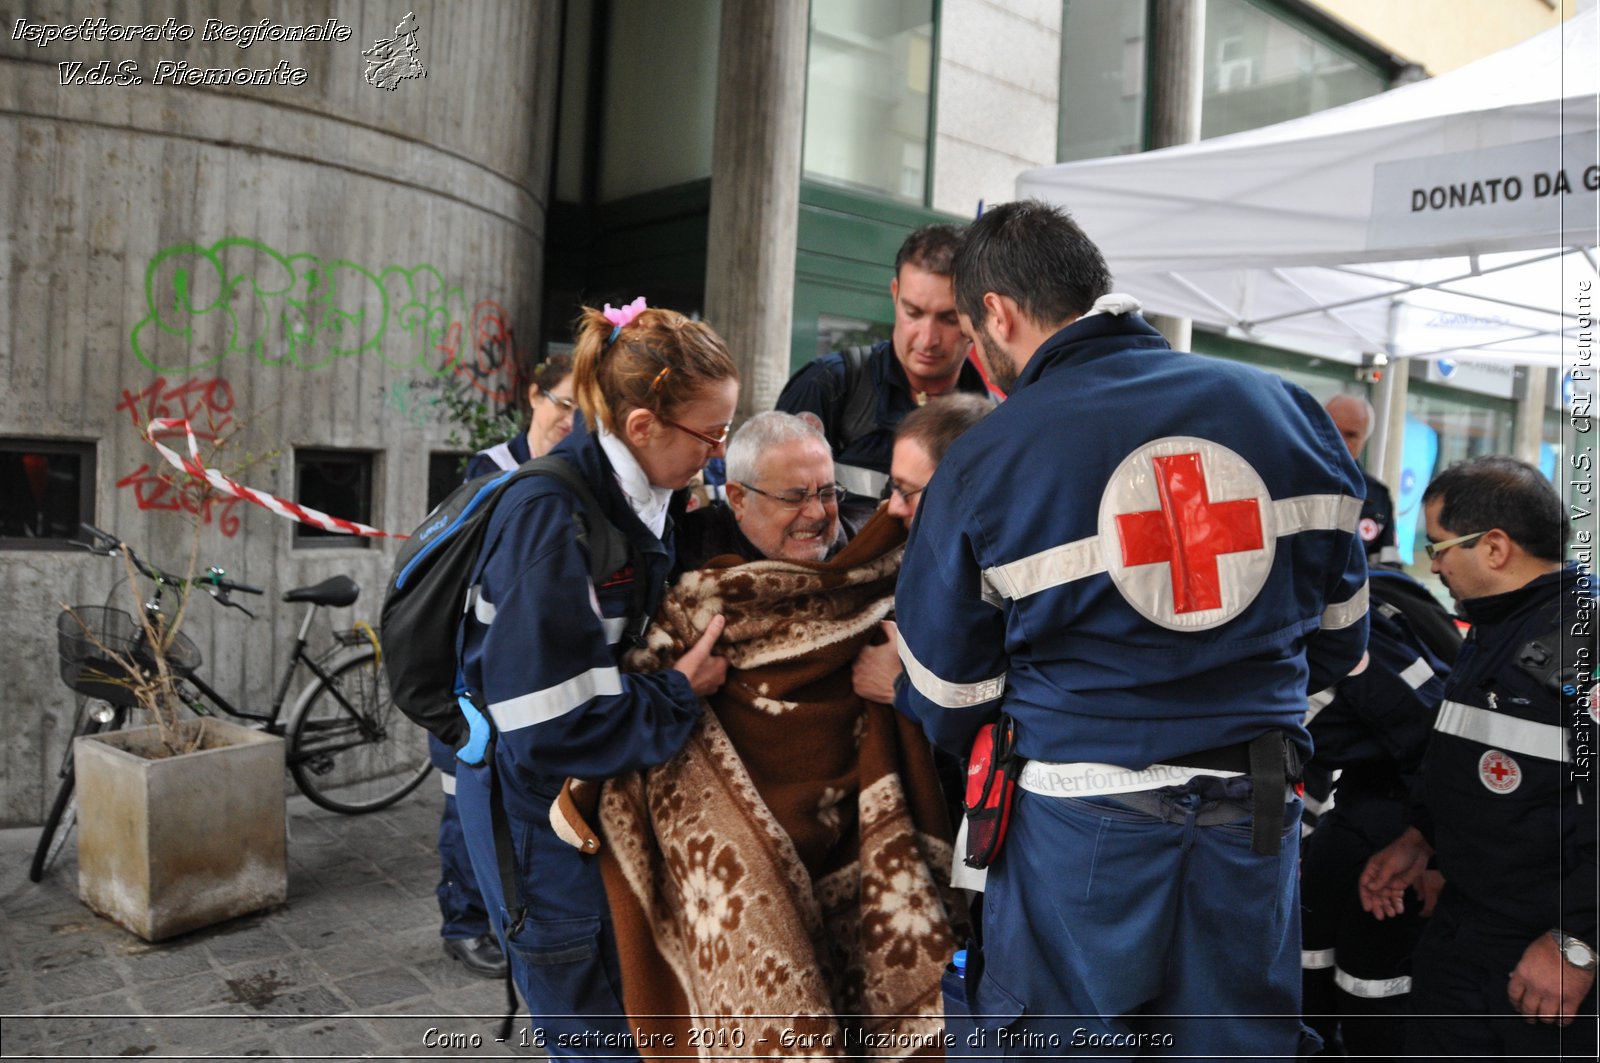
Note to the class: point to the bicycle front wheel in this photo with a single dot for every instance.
(351, 749)
(64, 809)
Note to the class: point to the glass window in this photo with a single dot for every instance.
(1261, 70)
(868, 93)
(1102, 80)
(338, 483)
(46, 489)
(445, 469)
(660, 96)
(835, 333)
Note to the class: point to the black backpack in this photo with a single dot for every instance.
(428, 591)
(859, 414)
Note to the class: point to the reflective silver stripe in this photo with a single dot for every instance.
(950, 695)
(1317, 702)
(500, 454)
(1088, 779)
(482, 608)
(1083, 557)
(860, 481)
(1417, 673)
(1546, 741)
(614, 627)
(1046, 569)
(1316, 807)
(1343, 614)
(1372, 988)
(1316, 959)
(1389, 555)
(556, 701)
(447, 783)
(1316, 513)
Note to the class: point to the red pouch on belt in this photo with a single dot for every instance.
(992, 769)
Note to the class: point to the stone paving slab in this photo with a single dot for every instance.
(350, 967)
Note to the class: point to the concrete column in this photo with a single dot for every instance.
(1529, 430)
(1177, 83)
(1388, 442)
(755, 189)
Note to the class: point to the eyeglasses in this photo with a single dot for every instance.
(1433, 550)
(565, 406)
(797, 497)
(906, 493)
(710, 441)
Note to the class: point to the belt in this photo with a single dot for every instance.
(1271, 761)
(1088, 779)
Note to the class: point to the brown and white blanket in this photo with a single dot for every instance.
(776, 886)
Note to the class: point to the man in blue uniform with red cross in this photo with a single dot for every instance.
(1146, 560)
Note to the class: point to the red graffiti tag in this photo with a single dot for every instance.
(206, 404)
(153, 490)
(490, 355)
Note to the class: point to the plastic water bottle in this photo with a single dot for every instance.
(959, 962)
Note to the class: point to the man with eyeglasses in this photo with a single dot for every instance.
(1506, 965)
(919, 445)
(783, 502)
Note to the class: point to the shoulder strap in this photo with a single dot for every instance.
(605, 544)
(860, 413)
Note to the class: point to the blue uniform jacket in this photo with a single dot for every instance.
(819, 389)
(1510, 793)
(1374, 727)
(1141, 553)
(541, 642)
(515, 450)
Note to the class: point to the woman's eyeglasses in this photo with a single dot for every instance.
(797, 497)
(565, 406)
(709, 440)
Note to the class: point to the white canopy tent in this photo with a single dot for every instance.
(1455, 216)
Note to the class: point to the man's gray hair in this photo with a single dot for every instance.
(760, 434)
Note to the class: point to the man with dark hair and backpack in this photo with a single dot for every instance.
(862, 393)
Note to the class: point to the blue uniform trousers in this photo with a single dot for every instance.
(1460, 977)
(460, 904)
(1109, 930)
(564, 957)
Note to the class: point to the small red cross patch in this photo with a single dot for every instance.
(1189, 532)
(1499, 772)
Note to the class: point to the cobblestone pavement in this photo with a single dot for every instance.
(350, 966)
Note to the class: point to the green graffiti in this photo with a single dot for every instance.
(239, 296)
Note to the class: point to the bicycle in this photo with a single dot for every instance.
(348, 747)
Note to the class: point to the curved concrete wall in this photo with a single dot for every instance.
(306, 264)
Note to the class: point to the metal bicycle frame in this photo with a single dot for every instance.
(273, 720)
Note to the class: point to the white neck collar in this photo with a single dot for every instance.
(648, 502)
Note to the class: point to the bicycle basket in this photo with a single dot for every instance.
(83, 635)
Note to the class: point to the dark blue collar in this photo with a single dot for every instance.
(1075, 343)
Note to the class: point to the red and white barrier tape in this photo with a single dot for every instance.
(294, 511)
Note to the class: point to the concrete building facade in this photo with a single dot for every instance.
(301, 267)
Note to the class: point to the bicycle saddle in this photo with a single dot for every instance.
(336, 590)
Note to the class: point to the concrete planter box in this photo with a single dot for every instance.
(171, 845)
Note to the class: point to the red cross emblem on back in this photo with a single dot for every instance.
(1189, 532)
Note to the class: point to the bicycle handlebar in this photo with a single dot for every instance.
(214, 580)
